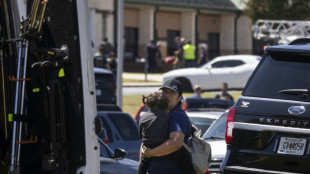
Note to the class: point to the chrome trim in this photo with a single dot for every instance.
(308, 150)
(296, 110)
(261, 127)
(215, 163)
(276, 145)
(271, 99)
(255, 170)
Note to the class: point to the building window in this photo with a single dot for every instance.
(213, 45)
(131, 43)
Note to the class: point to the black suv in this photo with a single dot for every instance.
(268, 129)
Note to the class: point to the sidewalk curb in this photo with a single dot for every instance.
(142, 84)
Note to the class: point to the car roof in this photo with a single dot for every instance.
(214, 114)
(207, 103)
(244, 57)
(108, 107)
(101, 71)
(289, 49)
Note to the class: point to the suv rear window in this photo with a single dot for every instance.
(125, 125)
(278, 71)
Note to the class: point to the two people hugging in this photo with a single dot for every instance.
(163, 130)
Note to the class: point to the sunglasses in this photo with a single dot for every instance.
(144, 99)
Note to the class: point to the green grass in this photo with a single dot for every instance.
(131, 103)
(137, 81)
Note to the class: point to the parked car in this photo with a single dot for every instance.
(268, 128)
(121, 131)
(203, 118)
(215, 136)
(105, 86)
(192, 104)
(115, 162)
(234, 70)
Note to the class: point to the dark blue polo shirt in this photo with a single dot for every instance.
(180, 122)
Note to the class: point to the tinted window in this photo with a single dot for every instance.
(227, 63)
(125, 126)
(202, 123)
(279, 72)
(106, 79)
(218, 129)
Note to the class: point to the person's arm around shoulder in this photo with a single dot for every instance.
(174, 143)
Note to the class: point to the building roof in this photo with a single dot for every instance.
(217, 5)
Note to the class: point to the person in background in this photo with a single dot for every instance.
(101, 61)
(179, 61)
(224, 94)
(113, 63)
(151, 52)
(105, 48)
(202, 55)
(189, 52)
(198, 91)
(159, 60)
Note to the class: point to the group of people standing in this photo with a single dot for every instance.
(106, 58)
(185, 54)
(224, 95)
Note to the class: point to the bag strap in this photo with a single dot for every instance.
(188, 148)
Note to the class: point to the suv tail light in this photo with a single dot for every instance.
(230, 125)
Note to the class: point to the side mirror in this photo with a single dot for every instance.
(98, 125)
(119, 154)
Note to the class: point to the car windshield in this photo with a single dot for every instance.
(125, 126)
(202, 123)
(278, 72)
(217, 130)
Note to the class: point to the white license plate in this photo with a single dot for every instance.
(292, 146)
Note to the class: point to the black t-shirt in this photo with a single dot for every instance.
(153, 128)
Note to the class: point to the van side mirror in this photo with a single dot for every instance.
(98, 125)
(119, 154)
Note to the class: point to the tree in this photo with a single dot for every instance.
(278, 9)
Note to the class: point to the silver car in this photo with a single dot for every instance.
(203, 118)
(215, 136)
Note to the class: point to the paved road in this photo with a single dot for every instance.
(139, 90)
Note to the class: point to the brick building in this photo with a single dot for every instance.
(218, 23)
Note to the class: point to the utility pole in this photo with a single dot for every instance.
(120, 31)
